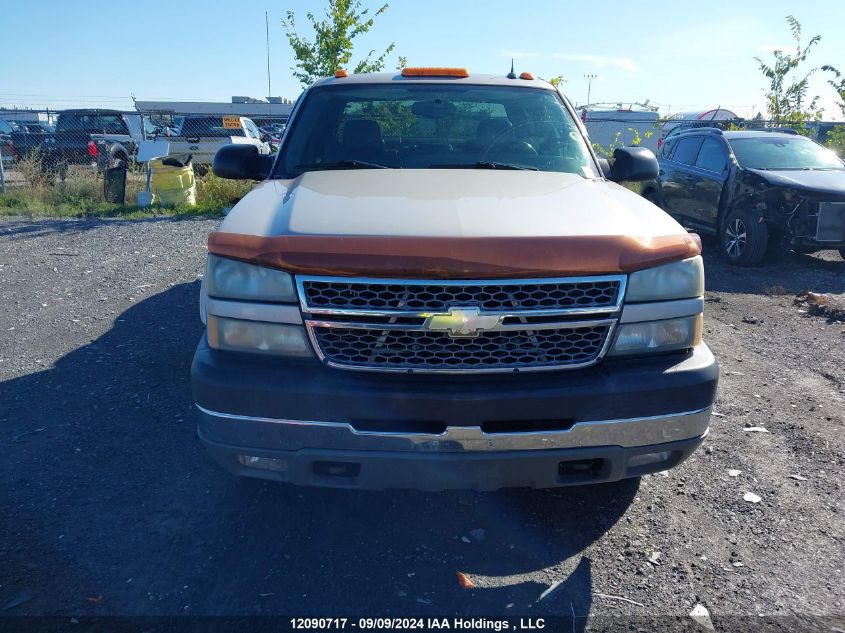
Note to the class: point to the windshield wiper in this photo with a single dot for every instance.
(483, 165)
(341, 164)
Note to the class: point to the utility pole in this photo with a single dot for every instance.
(589, 79)
(267, 33)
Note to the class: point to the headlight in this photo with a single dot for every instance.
(657, 336)
(231, 279)
(257, 337)
(678, 280)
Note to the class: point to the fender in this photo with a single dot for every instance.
(742, 190)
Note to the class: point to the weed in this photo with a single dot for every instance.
(78, 192)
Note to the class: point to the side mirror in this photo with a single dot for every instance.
(632, 164)
(242, 162)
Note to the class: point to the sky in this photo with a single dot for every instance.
(680, 56)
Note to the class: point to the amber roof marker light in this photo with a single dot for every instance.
(526, 76)
(434, 71)
(340, 74)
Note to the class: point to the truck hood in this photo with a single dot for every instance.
(820, 181)
(458, 224)
(446, 203)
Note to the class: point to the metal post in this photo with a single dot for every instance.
(2, 174)
(267, 33)
(589, 79)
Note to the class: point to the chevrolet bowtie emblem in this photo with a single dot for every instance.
(466, 322)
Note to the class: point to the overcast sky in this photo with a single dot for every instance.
(682, 56)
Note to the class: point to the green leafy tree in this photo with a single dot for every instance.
(334, 35)
(836, 140)
(836, 137)
(787, 101)
(838, 84)
(557, 80)
(603, 151)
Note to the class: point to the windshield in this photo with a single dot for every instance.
(91, 123)
(420, 126)
(778, 152)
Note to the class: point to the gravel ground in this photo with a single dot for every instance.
(109, 505)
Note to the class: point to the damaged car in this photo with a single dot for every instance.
(759, 191)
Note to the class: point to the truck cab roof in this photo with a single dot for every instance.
(471, 79)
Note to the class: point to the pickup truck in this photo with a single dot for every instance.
(202, 135)
(439, 285)
(8, 153)
(101, 138)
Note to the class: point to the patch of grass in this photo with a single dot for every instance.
(636, 187)
(212, 190)
(21, 204)
(80, 194)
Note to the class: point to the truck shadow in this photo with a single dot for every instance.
(27, 228)
(107, 492)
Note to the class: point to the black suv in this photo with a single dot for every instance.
(757, 190)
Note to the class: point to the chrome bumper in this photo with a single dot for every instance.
(295, 435)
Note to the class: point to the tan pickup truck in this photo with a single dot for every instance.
(438, 285)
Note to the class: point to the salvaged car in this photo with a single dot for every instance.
(436, 286)
(759, 191)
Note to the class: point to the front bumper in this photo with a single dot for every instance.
(433, 470)
(301, 422)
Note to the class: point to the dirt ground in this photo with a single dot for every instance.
(110, 506)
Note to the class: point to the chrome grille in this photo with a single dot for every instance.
(403, 350)
(460, 326)
(433, 297)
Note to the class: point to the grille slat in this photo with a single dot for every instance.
(403, 350)
(342, 295)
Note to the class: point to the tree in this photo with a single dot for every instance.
(836, 137)
(557, 80)
(331, 48)
(786, 98)
(838, 84)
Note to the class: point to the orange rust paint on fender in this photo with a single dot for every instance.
(454, 257)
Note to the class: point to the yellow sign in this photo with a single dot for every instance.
(232, 122)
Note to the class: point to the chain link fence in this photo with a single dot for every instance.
(608, 133)
(54, 158)
(60, 159)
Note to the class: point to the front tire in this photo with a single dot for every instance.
(743, 237)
